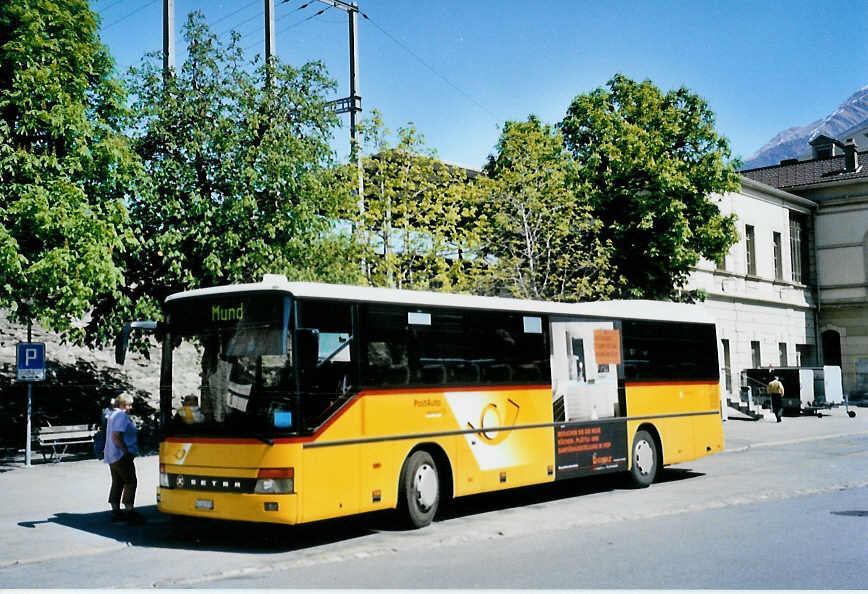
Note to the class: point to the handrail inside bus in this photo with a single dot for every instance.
(123, 339)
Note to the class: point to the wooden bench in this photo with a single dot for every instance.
(57, 438)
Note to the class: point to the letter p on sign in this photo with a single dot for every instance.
(30, 362)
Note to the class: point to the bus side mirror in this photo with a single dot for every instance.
(123, 339)
(308, 348)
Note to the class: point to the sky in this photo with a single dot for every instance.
(459, 69)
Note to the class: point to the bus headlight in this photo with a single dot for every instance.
(164, 476)
(275, 480)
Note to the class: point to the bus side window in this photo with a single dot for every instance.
(669, 350)
(387, 364)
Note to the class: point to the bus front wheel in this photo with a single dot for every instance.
(419, 496)
(644, 458)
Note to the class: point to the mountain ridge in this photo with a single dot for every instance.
(792, 143)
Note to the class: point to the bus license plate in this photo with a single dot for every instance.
(205, 504)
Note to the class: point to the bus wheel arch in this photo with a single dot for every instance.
(424, 485)
(646, 456)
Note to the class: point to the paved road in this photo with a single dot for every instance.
(54, 531)
(808, 542)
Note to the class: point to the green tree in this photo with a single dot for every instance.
(65, 167)
(542, 235)
(238, 176)
(420, 224)
(651, 164)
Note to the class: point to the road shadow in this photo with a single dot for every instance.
(202, 534)
(541, 494)
(669, 475)
(169, 532)
(854, 513)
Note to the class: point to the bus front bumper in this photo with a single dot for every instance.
(246, 507)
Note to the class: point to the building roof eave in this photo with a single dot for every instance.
(784, 195)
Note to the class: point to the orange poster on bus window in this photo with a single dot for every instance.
(607, 347)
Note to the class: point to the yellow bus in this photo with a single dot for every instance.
(291, 402)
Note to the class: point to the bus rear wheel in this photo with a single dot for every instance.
(644, 460)
(419, 495)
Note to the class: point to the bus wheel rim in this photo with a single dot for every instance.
(425, 486)
(644, 458)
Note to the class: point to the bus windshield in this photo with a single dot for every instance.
(233, 370)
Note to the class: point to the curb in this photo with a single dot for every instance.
(767, 444)
(69, 555)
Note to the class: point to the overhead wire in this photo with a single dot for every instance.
(115, 3)
(233, 13)
(277, 20)
(397, 42)
(292, 25)
(237, 26)
(429, 67)
(128, 15)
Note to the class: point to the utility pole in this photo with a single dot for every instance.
(168, 38)
(269, 38)
(353, 103)
(28, 447)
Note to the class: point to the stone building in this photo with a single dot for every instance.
(794, 290)
(762, 293)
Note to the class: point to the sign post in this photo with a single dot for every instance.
(30, 367)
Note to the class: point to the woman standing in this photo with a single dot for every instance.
(120, 448)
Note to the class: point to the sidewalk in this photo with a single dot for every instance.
(53, 511)
(743, 434)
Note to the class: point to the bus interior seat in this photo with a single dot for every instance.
(498, 372)
(434, 373)
(382, 365)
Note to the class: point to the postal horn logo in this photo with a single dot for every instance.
(493, 419)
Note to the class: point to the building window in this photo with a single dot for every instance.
(779, 262)
(806, 355)
(782, 347)
(727, 366)
(750, 244)
(755, 354)
(799, 248)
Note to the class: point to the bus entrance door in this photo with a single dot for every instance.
(585, 361)
(585, 358)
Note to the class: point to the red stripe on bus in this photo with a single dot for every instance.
(675, 383)
(331, 421)
(442, 390)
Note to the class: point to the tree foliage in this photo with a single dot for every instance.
(237, 173)
(421, 222)
(65, 167)
(543, 237)
(651, 164)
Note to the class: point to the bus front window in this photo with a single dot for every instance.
(234, 377)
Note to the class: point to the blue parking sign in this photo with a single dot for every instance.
(30, 362)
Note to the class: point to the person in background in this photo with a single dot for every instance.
(121, 448)
(107, 412)
(776, 391)
(190, 412)
(99, 440)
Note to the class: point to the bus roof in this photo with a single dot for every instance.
(627, 309)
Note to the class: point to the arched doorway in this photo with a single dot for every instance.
(831, 348)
